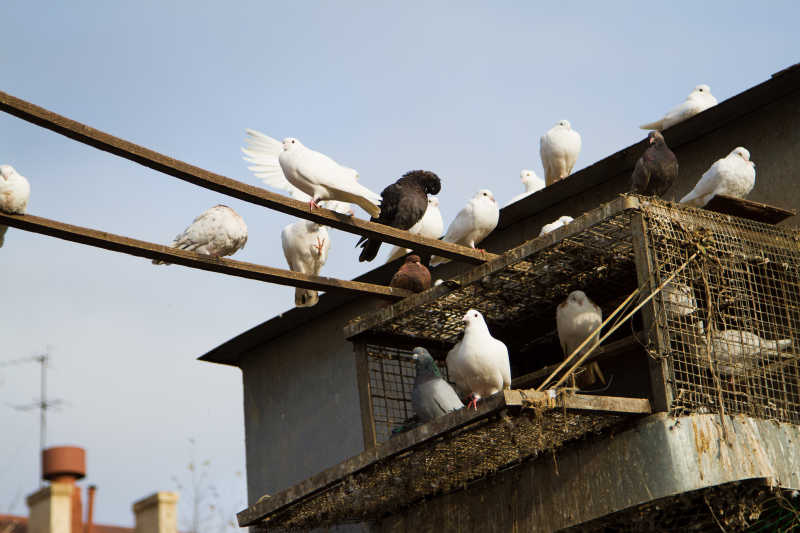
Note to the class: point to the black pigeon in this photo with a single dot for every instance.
(402, 205)
(656, 170)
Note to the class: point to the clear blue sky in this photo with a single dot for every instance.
(463, 88)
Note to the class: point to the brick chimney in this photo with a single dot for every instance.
(57, 508)
(156, 513)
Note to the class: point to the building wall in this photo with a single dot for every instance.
(301, 401)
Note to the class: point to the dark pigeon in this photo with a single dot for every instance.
(402, 204)
(656, 170)
(412, 276)
(432, 396)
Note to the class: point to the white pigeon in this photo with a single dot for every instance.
(576, 318)
(532, 183)
(733, 175)
(681, 306)
(432, 396)
(430, 225)
(312, 173)
(305, 245)
(479, 363)
(14, 193)
(737, 352)
(217, 232)
(473, 223)
(698, 100)
(559, 149)
(560, 221)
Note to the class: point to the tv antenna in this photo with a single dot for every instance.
(42, 404)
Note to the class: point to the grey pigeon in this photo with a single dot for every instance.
(432, 396)
(656, 170)
(403, 204)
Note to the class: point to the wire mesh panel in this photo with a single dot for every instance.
(730, 319)
(391, 380)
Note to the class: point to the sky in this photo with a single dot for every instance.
(464, 89)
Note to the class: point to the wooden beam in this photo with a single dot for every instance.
(126, 245)
(739, 207)
(216, 182)
(571, 400)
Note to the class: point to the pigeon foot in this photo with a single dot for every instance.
(473, 403)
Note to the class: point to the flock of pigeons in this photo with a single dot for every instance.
(479, 363)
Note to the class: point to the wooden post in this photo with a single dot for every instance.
(660, 382)
(365, 395)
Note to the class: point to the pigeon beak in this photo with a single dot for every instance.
(652, 140)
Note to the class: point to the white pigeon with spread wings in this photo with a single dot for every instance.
(559, 222)
(532, 183)
(217, 232)
(698, 100)
(733, 175)
(479, 363)
(473, 223)
(737, 352)
(576, 318)
(430, 225)
(305, 245)
(559, 149)
(14, 194)
(289, 163)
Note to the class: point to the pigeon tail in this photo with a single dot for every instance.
(3, 230)
(370, 250)
(658, 125)
(305, 298)
(696, 201)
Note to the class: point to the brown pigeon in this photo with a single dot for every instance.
(412, 276)
(403, 203)
(656, 170)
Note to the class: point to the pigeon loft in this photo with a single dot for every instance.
(716, 336)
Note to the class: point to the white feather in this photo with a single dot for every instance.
(217, 232)
(559, 149)
(305, 246)
(473, 223)
(698, 101)
(15, 191)
(734, 175)
(479, 363)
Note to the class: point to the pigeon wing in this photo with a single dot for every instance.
(263, 151)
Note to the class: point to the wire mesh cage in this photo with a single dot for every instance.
(726, 325)
(728, 322)
(391, 380)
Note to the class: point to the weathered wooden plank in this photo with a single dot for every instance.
(571, 400)
(375, 318)
(365, 395)
(118, 243)
(659, 371)
(739, 207)
(216, 182)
